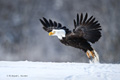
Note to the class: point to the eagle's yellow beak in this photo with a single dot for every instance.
(51, 33)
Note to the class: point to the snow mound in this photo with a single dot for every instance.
(24, 70)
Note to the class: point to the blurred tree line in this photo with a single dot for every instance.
(22, 36)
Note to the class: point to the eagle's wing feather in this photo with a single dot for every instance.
(88, 29)
(49, 25)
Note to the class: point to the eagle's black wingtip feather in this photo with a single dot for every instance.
(46, 21)
(51, 22)
(43, 23)
(59, 25)
(55, 23)
(86, 14)
(89, 20)
(81, 18)
(85, 18)
(40, 20)
(44, 18)
(78, 19)
(74, 23)
(77, 15)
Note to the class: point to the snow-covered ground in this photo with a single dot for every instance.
(24, 70)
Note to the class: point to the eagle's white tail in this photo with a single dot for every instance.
(93, 56)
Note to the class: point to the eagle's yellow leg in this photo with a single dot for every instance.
(92, 53)
(88, 54)
(93, 56)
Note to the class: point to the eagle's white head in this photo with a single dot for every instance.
(60, 33)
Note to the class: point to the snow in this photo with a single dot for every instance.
(26, 70)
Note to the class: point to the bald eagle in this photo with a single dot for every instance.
(86, 30)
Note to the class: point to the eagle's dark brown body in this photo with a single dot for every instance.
(80, 43)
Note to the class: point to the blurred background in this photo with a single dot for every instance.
(22, 37)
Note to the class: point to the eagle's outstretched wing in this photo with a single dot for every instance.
(49, 25)
(89, 29)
